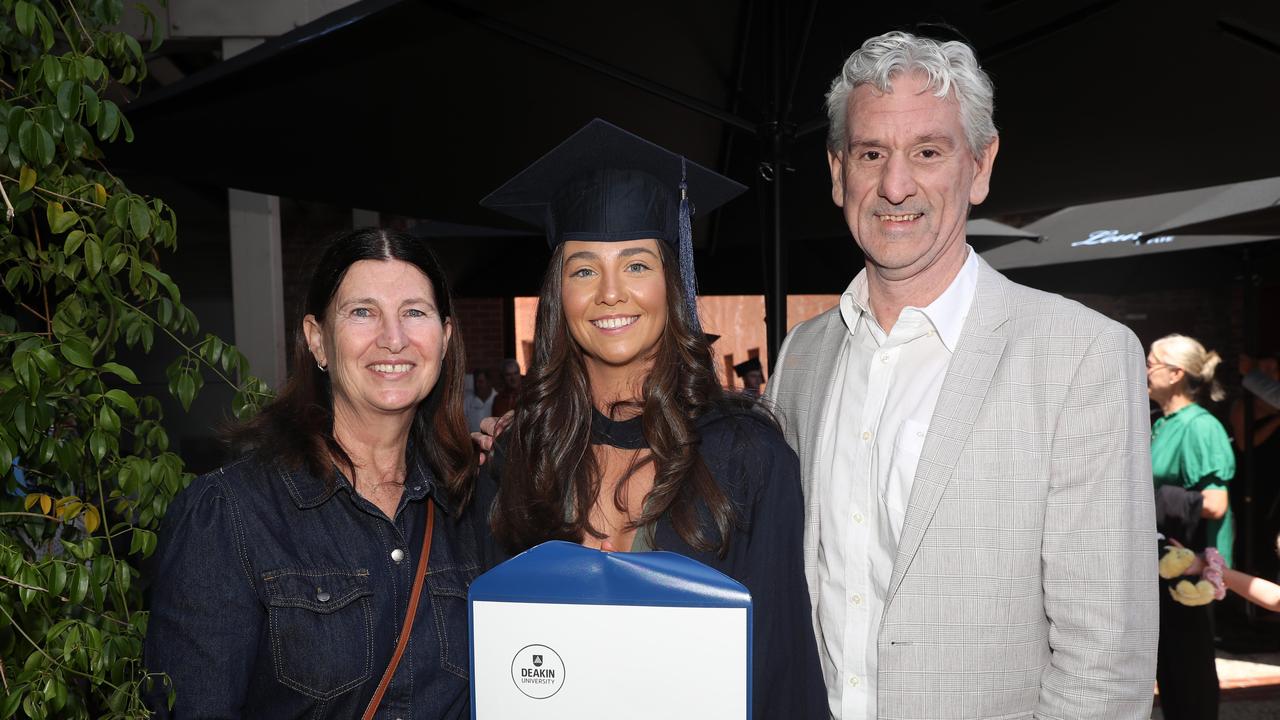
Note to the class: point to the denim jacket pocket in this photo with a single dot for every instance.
(321, 629)
(448, 587)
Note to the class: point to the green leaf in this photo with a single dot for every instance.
(108, 419)
(109, 122)
(92, 256)
(68, 98)
(186, 390)
(97, 444)
(58, 577)
(25, 14)
(73, 241)
(63, 222)
(36, 143)
(27, 139)
(121, 372)
(76, 139)
(10, 703)
(47, 362)
(4, 136)
(26, 179)
(139, 218)
(46, 31)
(164, 281)
(79, 585)
(53, 72)
(77, 351)
(118, 209)
(91, 104)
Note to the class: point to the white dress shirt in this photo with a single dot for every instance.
(477, 409)
(886, 387)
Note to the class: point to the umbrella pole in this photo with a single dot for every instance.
(775, 291)
(1247, 528)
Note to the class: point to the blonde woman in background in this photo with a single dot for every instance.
(1190, 450)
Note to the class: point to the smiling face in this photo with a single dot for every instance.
(907, 177)
(382, 340)
(615, 303)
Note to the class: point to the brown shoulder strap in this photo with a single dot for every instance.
(414, 597)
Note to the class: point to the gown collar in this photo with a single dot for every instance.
(626, 434)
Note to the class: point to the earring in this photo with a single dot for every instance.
(322, 368)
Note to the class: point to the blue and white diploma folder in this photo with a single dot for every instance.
(568, 632)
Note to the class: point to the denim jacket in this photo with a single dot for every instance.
(280, 595)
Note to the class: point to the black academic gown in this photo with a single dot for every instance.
(760, 475)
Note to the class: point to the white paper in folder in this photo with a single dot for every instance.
(568, 632)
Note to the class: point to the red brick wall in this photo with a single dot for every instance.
(484, 330)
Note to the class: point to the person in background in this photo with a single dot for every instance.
(752, 376)
(283, 580)
(1191, 452)
(1263, 593)
(623, 437)
(479, 403)
(512, 380)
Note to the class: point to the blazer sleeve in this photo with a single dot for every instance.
(1098, 559)
(205, 614)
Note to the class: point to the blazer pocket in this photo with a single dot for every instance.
(320, 629)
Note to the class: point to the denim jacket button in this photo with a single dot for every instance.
(397, 554)
(321, 595)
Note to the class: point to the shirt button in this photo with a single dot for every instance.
(397, 554)
(857, 517)
(866, 434)
(884, 358)
(854, 681)
(856, 599)
(322, 595)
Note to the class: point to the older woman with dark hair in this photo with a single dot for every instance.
(285, 579)
(623, 437)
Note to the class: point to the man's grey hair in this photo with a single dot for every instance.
(950, 66)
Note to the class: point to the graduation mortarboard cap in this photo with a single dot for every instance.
(604, 184)
(742, 368)
(710, 337)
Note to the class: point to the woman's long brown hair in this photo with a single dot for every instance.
(297, 427)
(548, 462)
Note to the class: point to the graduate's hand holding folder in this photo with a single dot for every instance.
(564, 631)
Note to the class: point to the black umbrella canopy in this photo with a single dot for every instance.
(421, 108)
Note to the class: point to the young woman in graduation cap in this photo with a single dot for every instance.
(623, 438)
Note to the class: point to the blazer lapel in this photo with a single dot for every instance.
(964, 389)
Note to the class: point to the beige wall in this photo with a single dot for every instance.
(737, 319)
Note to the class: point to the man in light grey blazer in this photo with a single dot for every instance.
(979, 529)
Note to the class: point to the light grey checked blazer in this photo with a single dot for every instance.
(1025, 580)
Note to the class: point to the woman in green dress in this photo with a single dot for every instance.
(1190, 450)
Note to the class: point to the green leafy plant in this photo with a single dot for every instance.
(87, 472)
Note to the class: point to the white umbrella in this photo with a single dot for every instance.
(1137, 226)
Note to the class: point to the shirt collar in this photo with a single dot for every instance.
(308, 491)
(946, 313)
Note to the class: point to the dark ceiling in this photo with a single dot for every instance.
(420, 108)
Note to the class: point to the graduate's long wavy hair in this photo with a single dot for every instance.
(549, 464)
